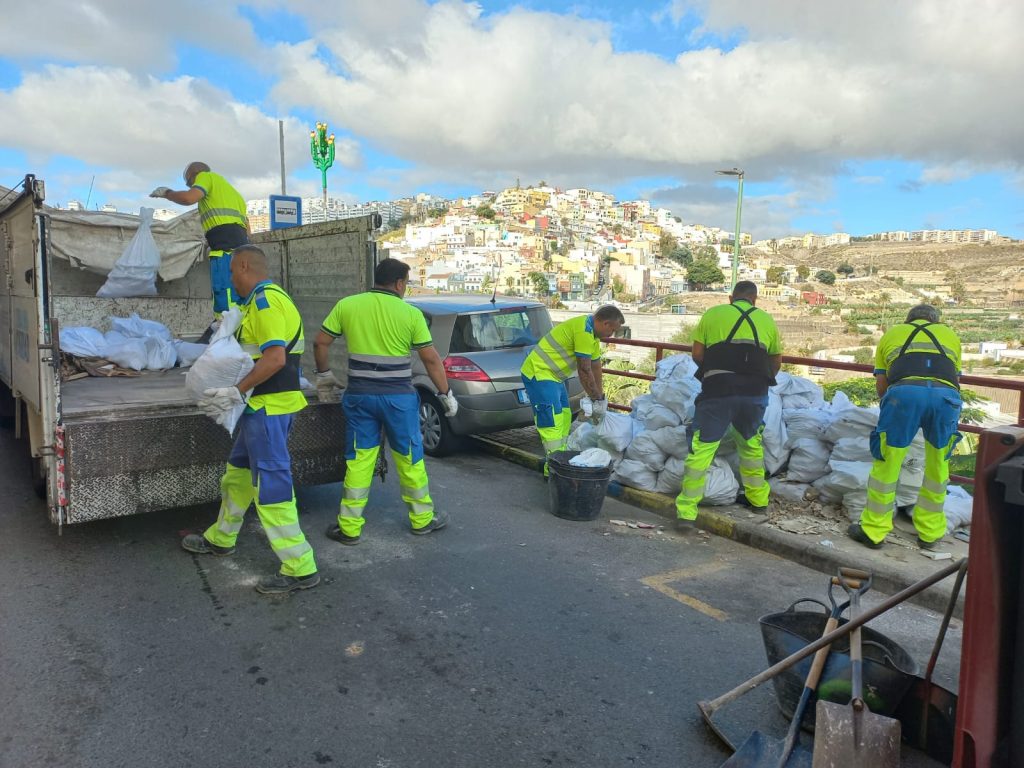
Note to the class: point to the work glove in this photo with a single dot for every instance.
(600, 409)
(587, 406)
(217, 401)
(160, 192)
(450, 404)
(327, 386)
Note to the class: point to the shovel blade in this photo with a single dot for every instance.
(760, 751)
(846, 738)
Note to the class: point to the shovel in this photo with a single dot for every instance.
(851, 736)
(760, 751)
(928, 711)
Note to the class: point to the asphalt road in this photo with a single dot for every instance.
(512, 638)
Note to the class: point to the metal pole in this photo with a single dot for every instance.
(280, 137)
(736, 237)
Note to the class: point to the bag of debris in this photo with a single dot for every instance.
(160, 354)
(583, 437)
(788, 492)
(808, 460)
(592, 457)
(641, 407)
(774, 438)
(680, 367)
(125, 351)
(83, 341)
(659, 416)
(223, 364)
(187, 352)
(673, 441)
(911, 479)
(720, 484)
(644, 449)
(797, 392)
(852, 449)
(677, 395)
(958, 507)
(615, 432)
(636, 474)
(849, 420)
(806, 422)
(854, 503)
(670, 479)
(134, 273)
(134, 326)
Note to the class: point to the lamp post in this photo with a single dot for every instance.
(739, 208)
(321, 149)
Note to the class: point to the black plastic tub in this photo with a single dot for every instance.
(575, 493)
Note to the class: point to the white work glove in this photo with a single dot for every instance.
(587, 406)
(160, 192)
(218, 401)
(326, 386)
(450, 404)
(600, 409)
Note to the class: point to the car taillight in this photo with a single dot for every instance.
(464, 369)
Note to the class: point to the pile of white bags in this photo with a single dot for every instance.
(132, 342)
(223, 364)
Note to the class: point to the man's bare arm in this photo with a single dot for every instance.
(320, 350)
(697, 353)
(185, 196)
(435, 368)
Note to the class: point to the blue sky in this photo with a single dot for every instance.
(847, 119)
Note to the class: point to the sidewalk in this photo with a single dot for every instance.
(805, 533)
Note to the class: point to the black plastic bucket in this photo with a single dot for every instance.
(575, 493)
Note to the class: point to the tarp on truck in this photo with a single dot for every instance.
(94, 240)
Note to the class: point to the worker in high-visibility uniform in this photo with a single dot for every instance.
(738, 350)
(259, 467)
(381, 331)
(223, 217)
(572, 346)
(917, 375)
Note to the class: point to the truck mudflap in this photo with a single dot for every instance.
(125, 466)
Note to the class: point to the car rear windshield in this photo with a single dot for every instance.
(501, 329)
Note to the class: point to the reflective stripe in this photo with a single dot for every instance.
(356, 493)
(228, 213)
(552, 445)
(878, 507)
(557, 370)
(275, 532)
(355, 373)
(693, 493)
(919, 346)
(933, 486)
(692, 473)
(875, 484)
(294, 552)
(415, 493)
(420, 507)
(930, 505)
(751, 464)
(379, 359)
(754, 482)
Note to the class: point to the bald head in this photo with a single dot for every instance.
(248, 267)
(192, 170)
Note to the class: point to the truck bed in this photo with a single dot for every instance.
(120, 396)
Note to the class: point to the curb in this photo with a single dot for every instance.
(889, 580)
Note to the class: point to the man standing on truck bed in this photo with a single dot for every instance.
(381, 331)
(917, 375)
(571, 346)
(738, 350)
(225, 224)
(259, 467)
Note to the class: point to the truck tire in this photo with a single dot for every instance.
(438, 438)
(38, 477)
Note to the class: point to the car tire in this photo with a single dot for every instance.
(438, 438)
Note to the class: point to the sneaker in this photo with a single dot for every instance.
(279, 584)
(437, 522)
(856, 533)
(743, 501)
(197, 543)
(927, 544)
(685, 526)
(336, 534)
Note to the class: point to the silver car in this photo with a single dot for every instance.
(482, 343)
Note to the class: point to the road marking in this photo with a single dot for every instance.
(660, 583)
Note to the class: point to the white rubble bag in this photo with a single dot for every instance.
(670, 479)
(134, 274)
(126, 351)
(797, 392)
(659, 416)
(592, 457)
(82, 340)
(958, 507)
(187, 352)
(808, 460)
(672, 441)
(720, 484)
(136, 327)
(615, 432)
(644, 449)
(776, 454)
(635, 474)
(223, 364)
(806, 422)
(641, 407)
(583, 437)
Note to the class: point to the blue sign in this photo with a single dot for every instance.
(285, 211)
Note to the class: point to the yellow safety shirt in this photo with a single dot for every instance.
(270, 319)
(555, 356)
(381, 330)
(221, 212)
(714, 327)
(892, 342)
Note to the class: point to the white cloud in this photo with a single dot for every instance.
(947, 174)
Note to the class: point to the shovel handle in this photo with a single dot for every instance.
(818, 665)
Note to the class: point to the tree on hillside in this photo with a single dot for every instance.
(485, 212)
(540, 283)
(681, 255)
(776, 275)
(666, 244)
(845, 269)
(704, 272)
(826, 277)
(705, 253)
(803, 272)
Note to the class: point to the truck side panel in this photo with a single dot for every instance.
(23, 331)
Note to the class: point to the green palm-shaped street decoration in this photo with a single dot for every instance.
(321, 149)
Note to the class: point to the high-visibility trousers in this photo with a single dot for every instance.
(259, 470)
(398, 416)
(224, 296)
(907, 407)
(713, 418)
(551, 413)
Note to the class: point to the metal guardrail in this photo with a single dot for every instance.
(660, 347)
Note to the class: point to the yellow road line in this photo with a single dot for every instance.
(660, 582)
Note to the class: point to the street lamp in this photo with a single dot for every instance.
(739, 207)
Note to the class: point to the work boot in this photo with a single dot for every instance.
(280, 584)
(685, 526)
(437, 522)
(336, 534)
(856, 533)
(743, 501)
(194, 542)
(927, 544)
